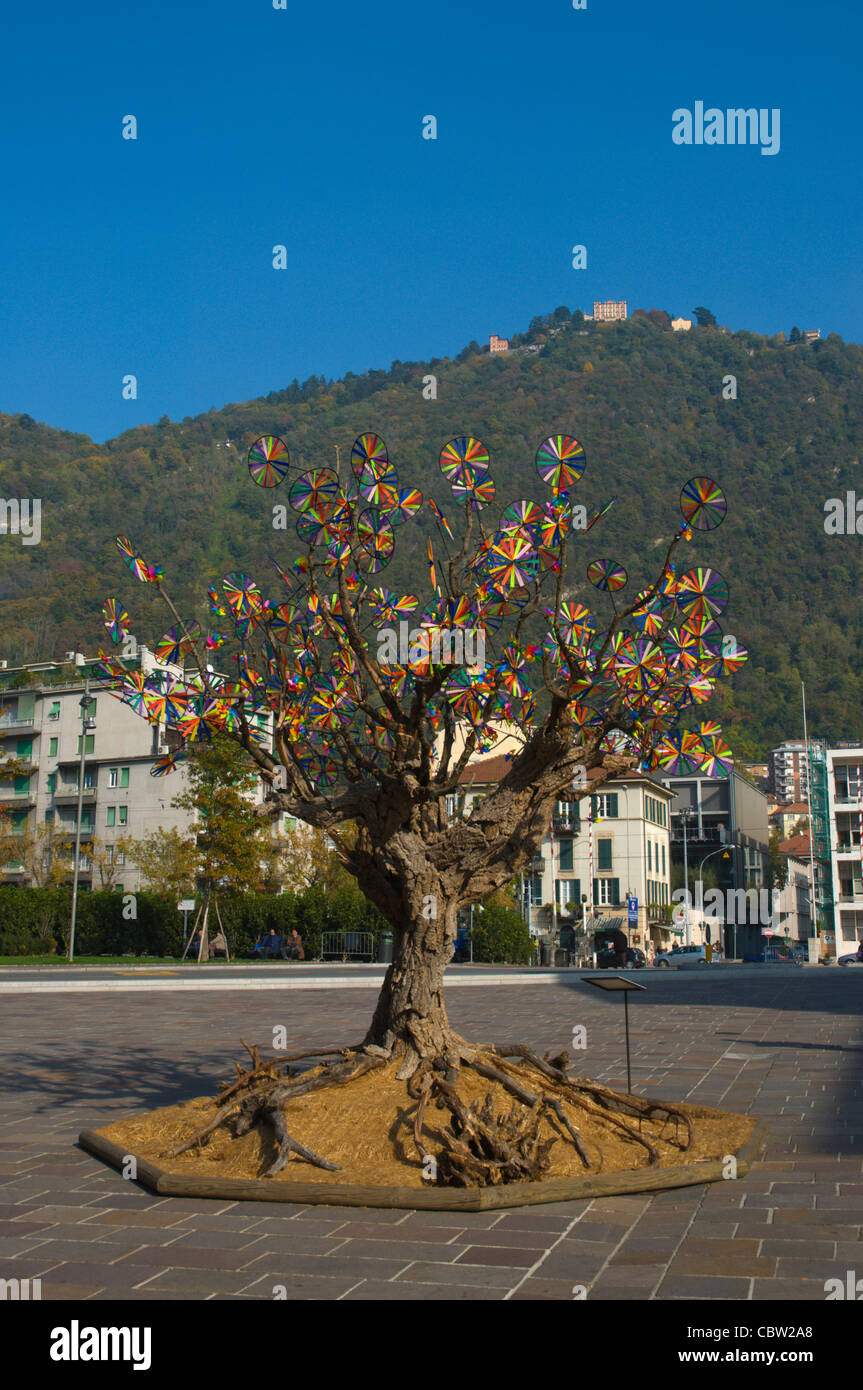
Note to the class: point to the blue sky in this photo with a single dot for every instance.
(304, 127)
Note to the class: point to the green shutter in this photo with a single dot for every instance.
(124, 777)
(595, 891)
(612, 805)
(26, 706)
(566, 855)
(21, 785)
(603, 855)
(575, 892)
(52, 748)
(24, 749)
(615, 891)
(112, 815)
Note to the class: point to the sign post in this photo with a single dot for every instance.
(631, 913)
(186, 906)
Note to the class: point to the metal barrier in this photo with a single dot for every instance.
(335, 945)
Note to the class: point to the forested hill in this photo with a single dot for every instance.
(646, 403)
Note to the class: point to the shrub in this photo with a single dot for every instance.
(500, 935)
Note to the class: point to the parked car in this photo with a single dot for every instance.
(635, 959)
(855, 958)
(684, 957)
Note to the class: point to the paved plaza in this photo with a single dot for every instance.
(782, 1044)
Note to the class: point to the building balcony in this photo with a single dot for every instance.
(10, 725)
(18, 803)
(68, 796)
(68, 832)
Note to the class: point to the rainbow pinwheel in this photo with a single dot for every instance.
(606, 575)
(703, 504)
(168, 762)
(701, 593)
(464, 462)
(294, 661)
(316, 488)
(269, 461)
(116, 619)
(597, 516)
(560, 462)
(442, 521)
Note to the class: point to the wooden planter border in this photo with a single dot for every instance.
(167, 1184)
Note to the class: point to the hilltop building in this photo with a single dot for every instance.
(607, 310)
(496, 344)
(681, 325)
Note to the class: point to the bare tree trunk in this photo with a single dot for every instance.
(410, 1017)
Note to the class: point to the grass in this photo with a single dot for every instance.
(103, 960)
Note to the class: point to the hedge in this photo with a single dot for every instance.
(35, 921)
(501, 935)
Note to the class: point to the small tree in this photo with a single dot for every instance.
(704, 318)
(167, 861)
(373, 725)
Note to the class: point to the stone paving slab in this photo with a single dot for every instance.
(782, 1047)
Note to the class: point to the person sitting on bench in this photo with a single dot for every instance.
(293, 947)
(270, 945)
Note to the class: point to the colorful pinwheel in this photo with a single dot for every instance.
(269, 461)
(703, 504)
(560, 462)
(116, 619)
(606, 575)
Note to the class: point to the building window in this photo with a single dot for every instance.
(54, 711)
(90, 744)
(663, 859)
(121, 859)
(111, 816)
(113, 774)
(535, 889)
(52, 747)
(604, 856)
(649, 853)
(604, 806)
(109, 854)
(607, 892)
(566, 856)
(124, 813)
(124, 777)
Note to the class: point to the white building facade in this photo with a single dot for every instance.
(845, 802)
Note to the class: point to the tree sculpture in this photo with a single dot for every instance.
(371, 723)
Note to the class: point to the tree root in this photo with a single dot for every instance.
(480, 1146)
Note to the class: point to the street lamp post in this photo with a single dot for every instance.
(87, 723)
(726, 854)
(685, 813)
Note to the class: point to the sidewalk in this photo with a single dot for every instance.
(785, 1046)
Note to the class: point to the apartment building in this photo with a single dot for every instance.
(597, 855)
(41, 727)
(789, 772)
(845, 810)
(725, 814)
